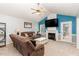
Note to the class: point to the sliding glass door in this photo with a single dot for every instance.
(2, 34)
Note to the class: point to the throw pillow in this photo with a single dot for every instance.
(26, 35)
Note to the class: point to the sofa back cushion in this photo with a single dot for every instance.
(29, 34)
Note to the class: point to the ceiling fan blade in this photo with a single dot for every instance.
(34, 12)
(39, 9)
(33, 9)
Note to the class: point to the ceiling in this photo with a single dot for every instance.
(24, 10)
(71, 9)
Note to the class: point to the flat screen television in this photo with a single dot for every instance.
(51, 23)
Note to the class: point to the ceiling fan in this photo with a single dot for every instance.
(38, 9)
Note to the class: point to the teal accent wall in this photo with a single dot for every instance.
(42, 22)
(63, 18)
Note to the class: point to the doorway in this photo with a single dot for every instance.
(66, 31)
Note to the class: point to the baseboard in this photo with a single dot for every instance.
(9, 43)
(73, 34)
(74, 38)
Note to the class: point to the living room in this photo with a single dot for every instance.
(44, 38)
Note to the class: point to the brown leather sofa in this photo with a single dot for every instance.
(30, 34)
(26, 47)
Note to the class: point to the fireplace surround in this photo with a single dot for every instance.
(52, 31)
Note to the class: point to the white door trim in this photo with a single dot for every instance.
(70, 31)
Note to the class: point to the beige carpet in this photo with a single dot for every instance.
(52, 48)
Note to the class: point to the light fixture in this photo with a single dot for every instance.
(38, 10)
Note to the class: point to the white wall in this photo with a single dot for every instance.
(52, 16)
(77, 44)
(12, 23)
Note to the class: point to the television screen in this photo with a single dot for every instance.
(51, 23)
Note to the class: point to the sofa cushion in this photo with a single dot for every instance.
(26, 35)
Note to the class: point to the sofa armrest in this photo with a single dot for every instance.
(39, 46)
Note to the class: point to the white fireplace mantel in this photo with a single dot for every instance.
(52, 30)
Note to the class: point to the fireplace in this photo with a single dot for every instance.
(51, 36)
(52, 33)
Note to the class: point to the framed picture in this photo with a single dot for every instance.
(27, 25)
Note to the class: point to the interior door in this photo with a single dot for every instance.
(66, 31)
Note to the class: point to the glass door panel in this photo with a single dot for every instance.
(2, 34)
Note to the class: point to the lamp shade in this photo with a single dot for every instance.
(18, 31)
